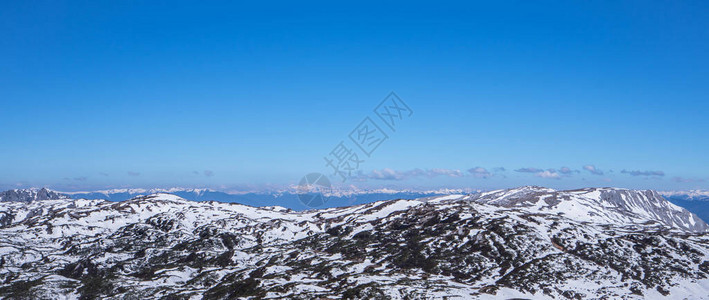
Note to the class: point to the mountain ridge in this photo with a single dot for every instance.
(645, 203)
(28, 195)
(163, 246)
(598, 204)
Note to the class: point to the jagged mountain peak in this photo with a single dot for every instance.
(28, 195)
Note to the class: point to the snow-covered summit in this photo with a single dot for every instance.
(598, 205)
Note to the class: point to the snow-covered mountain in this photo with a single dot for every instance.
(695, 201)
(598, 205)
(286, 198)
(520, 243)
(28, 195)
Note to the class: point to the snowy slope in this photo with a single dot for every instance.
(599, 205)
(504, 244)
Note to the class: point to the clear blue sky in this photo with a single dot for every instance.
(99, 94)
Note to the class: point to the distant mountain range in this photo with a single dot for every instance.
(696, 202)
(287, 199)
(523, 243)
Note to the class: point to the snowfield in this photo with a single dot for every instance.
(529, 242)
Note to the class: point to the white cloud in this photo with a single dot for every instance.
(529, 170)
(567, 171)
(480, 172)
(644, 173)
(548, 174)
(444, 172)
(593, 170)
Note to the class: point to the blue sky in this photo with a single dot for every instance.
(101, 94)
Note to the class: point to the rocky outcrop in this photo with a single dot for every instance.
(30, 195)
